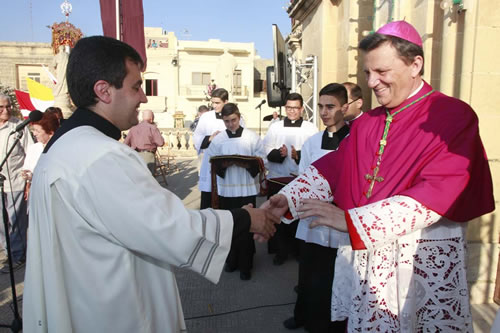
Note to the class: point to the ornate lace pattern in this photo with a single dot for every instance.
(411, 279)
(310, 185)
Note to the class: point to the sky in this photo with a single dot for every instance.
(227, 20)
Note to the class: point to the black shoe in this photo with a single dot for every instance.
(245, 276)
(15, 266)
(228, 268)
(291, 324)
(278, 261)
(296, 289)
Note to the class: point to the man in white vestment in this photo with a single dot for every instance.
(414, 170)
(282, 144)
(237, 184)
(318, 246)
(104, 234)
(209, 125)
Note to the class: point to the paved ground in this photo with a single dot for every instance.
(259, 305)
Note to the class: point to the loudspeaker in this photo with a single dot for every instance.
(275, 97)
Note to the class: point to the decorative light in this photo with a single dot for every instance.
(66, 9)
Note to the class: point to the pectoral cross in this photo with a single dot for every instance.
(373, 178)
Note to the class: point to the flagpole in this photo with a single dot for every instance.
(117, 6)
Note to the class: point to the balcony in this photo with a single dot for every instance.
(194, 92)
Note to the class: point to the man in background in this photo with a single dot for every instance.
(355, 102)
(209, 125)
(145, 138)
(282, 144)
(14, 184)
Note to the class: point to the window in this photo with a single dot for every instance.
(151, 87)
(201, 79)
(237, 83)
(34, 76)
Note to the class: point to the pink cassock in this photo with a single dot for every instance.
(433, 154)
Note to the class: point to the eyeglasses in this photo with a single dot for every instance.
(292, 108)
(353, 101)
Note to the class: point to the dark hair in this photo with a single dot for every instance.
(203, 108)
(336, 90)
(229, 109)
(220, 93)
(407, 51)
(97, 58)
(353, 90)
(55, 110)
(49, 122)
(295, 97)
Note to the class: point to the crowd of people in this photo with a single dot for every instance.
(373, 207)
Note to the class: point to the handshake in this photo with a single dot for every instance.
(264, 218)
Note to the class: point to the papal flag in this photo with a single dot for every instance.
(41, 96)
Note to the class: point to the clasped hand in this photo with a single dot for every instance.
(324, 213)
(262, 222)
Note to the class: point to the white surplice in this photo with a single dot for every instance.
(103, 238)
(412, 275)
(321, 235)
(277, 135)
(207, 125)
(237, 182)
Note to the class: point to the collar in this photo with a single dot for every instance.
(352, 120)
(417, 90)
(85, 117)
(331, 141)
(218, 115)
(292, 123)
(236, 134)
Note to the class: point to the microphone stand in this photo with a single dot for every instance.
(17, 323)
(260, 118)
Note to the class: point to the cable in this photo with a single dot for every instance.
(240, 310)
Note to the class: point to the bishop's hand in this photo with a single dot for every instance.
(324, 213)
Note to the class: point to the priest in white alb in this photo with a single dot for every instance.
(104, 235)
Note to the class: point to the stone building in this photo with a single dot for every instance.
(176, 78)
(19, 60)
(179, 72)
(460, 43)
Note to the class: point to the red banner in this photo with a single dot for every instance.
(132, 23)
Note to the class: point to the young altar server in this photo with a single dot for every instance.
(318, 246)
(237, 184)
(283, 143)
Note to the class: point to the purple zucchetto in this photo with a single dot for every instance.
(403, 30)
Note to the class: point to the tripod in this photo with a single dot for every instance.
(17, 323)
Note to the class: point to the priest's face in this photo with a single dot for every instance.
(330, 111)
(126, 100)
(232, 122)
(293, 110)
(391, 79)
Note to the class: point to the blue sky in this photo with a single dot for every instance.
(227, 20)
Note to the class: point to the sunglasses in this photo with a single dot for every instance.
(353, 101)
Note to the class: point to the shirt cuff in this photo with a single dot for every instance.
(275, 156)
(356, 242)
(205, 143)
(241, 221)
